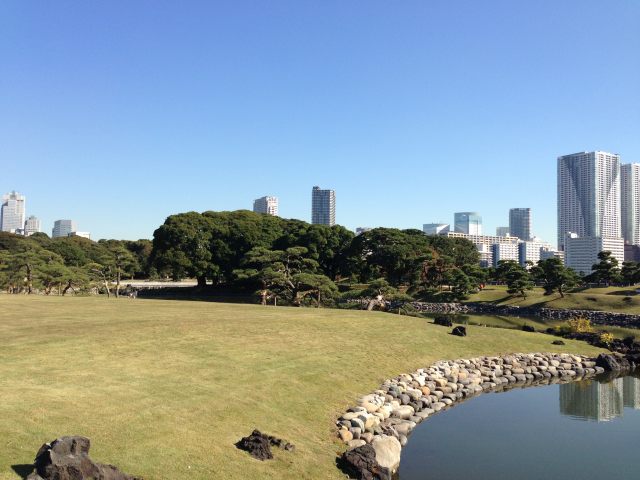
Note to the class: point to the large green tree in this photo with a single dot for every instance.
(554, 276)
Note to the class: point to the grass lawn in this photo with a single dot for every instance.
(165, 388)
(613, 299)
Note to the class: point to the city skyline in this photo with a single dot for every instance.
(410, 113)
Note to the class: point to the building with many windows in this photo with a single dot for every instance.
(484, 244)
(502, 231)
(531, 252)
(630, 202)
(12, 212)
(435, 228)
(520, 223)
(504, 251)
(467, 222)
(62, 228)
(588, 196)
(581, 253)
(268, 205)
(80, 234)
(323, 206)
(32, 225)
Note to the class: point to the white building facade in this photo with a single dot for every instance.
(268, 205)
(323, 206)
(32, 225)
(504, 251)
(581, 253)
(589, 196)
(12, 212)
(630, 202)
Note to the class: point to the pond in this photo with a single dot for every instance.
(584, 430)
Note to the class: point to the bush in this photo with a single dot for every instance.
(606, 338)
(580, 325)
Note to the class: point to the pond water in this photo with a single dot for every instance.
(582, 430)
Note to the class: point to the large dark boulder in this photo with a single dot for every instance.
(612, 363)
(361, 463)
(67, 458)
(459, 331)
(528, 328)
(444, 321)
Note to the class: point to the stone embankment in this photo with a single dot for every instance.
(596, 317)
(382, 421)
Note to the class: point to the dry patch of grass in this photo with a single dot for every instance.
(165, 388)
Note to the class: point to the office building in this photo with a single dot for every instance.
(630, 202)
(12, 212)
(31, 225)
(361, 230)
(504, 251)
(268, 205)
(484, 245)
(323, 206)
(503, 231)
(581, 253)
(435, 228)
(469, 223)
(588, 196)
(550, 253)
(520, 223)
(531, 252)
(62, 228)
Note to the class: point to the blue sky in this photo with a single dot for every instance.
(119, 113)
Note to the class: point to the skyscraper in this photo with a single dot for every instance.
(467, 222)
(588, 195)
(31, 226)
(630, 202)
(323, 206)
(62, 228)
(520, 223)
(12, 212)
(502, 231)
(268, 205)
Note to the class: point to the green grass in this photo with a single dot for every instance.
(607, 299)
(165, 388)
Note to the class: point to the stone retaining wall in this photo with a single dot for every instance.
(385, 418)
(596, 317)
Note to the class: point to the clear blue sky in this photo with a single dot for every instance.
(119, 113)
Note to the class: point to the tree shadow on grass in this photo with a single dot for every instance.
(23, 469)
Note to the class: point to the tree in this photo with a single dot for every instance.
(554, 276)
(518, 280)
(630, 272)
(606, 270)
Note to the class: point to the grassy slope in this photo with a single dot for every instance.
(608, 299)
(165, 388)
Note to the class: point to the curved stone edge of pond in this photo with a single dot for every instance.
(385, 418)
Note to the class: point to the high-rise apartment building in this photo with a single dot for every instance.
(268, 205)
(588, 195)
(323, 206)
(630, 202)
(467, 222)
(12, 212)
(62, 228)
(520, 223)
(31, 225)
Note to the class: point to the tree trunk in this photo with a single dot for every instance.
(202, 281)
(263, 296)
(318, 298)
(29, 279)
(118, 282)
(106, 286)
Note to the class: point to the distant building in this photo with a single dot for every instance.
(80, 234)
(582, 253)
(12, 212)
(62, 228)
(520, 223)
(469, 223)
(484, 245)
(504, 251)
(435, 228)
(361, 230)
(323, 206)
(630, 202)
(631, 253)
(503, 231)
(32, 225)
(588, 196)
(530, 252)
(268, 205)
(550, 253)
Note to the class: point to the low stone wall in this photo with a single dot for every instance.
(596, 317)
(385, 418)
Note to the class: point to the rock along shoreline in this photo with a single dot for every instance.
(376, 429)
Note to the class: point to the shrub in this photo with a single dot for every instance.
(580, 325)
(606, 338)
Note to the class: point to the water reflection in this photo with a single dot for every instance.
(600, 399)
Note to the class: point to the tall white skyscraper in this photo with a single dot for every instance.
(467, 222)
(520, 223)
(32, 225)
(323, 206)
(589, 195)
(268, 205)
(12, 212)
(630, 202)
(62, 228)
